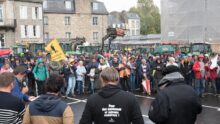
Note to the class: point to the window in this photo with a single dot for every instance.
(24, 31)
(46, 36)
(45, 4)
(2, 41)
(95, 35)
(138, 24)
(68, 4)
(68, 35)
(95, 21)
(45, 20)
(67, 20)
(133, 32)
(133, 24)
(1, 13)
(23, 12)
(34, 31)
(95, 6)
(36, 12)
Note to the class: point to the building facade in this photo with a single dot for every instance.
(126, 20)
(21, 22)
(68, 19)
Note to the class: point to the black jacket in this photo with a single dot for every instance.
(177, 103)
(186, 69)
(112, 105)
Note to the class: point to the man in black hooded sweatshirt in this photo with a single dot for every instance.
(177, 102)
(111, 104)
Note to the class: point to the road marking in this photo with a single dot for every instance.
(73, 102)
(148, 97)
(205, 106)
(146, 116)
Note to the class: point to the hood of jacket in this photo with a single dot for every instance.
(109, 90)
(47, 103)
(55, 65)
(171, 78)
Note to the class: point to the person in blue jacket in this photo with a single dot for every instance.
(20, 87)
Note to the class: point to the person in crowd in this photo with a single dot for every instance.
(55, 67)
(157, 73)
(124, 73)
(30, 76)
(41, 74)
(145, 71)
(11, 107)
(72, 78)
(172, 106)
(65, 72)
(115, 63)
(199, 70)
(6, 68)
(186, 70)
(80, 72)
(111, 104)
(172, 61)
(218, 78)
(92, 71)
(103, 63)
(20, 89)
(132, 66)
(212, 76)
(49, 108)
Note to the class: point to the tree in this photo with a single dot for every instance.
(149, 16)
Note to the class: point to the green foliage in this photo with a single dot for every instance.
(149, 16)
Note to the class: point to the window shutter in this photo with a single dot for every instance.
(40, 13)
(30, 31)
(38, 31)
(33, 13)
(25, 12)
(22, 31)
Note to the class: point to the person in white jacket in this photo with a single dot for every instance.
(80, 71)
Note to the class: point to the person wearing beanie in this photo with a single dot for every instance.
(172, 105)
(172, 61)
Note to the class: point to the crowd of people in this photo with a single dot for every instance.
(83, 74)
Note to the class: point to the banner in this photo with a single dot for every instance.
(55, 50)
(214, 62)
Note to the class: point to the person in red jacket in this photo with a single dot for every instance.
(199, 70)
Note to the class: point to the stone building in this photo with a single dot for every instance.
(20, 22)
(68, 19)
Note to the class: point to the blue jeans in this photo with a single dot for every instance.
(132, 82)
(92, 88)
(218, 85)
(199, 86)
(71, 85)
(80, 87)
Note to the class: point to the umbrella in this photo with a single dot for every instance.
(5, 52)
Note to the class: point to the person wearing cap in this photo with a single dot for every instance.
(199, 70)
(20, 89)
(111, 105)
(172, 104)
(41, 74)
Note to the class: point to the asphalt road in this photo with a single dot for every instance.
(209, 115)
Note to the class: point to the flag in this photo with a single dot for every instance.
(146, 86)
(214, 62)
(55, 50)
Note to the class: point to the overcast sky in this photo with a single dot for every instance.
(119, 5)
